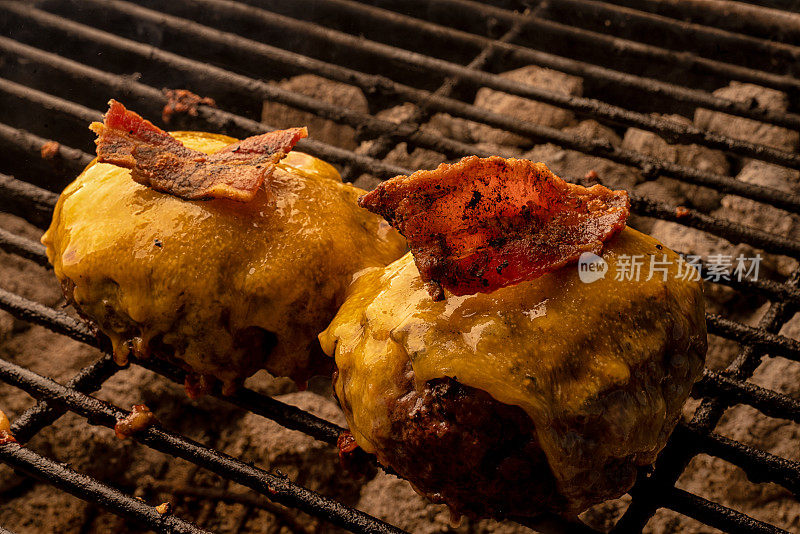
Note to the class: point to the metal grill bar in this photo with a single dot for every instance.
(734, 391)
(673, 459)
(716, 515)
(706, 40)
(226, 122)
(235, 46)
(284, 414)
(90, 489)
(70, 159)
(25, 200)
(274, 487)
(221, 120)
(755, 337)
(759, 466)
(216, 494)
(674, 132)
(670, 130)
(241, 47)
(55, 320)
(768, 288)
(717, 325)
(42, 414)
(775, 25)
(384, 144)
(28, 198)
(762, 466)
(384, 18)
(22, 247)
(61, 323)
(613, 46)
(786, 5)
(728, 387)
(733, 232)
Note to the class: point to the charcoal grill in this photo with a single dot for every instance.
(61, 60)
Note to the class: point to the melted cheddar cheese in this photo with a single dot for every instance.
(601, 368)
(195, 279)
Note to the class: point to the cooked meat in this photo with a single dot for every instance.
(139, 419)
(497, 449)
(545, 395)
(486, 223)
(183, 101)
(49, 150)
(5, 430)
(222, 287)
(158, 160)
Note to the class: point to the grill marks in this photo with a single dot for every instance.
(163, 163)
(483, 224)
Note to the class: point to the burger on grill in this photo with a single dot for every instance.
(489, 369)
(224, 256)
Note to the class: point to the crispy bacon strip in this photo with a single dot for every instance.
(160, 161)
(482, 224)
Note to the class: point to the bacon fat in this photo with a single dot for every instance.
(486, 223)
(160, 161)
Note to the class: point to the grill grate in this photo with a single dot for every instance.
(215, 48)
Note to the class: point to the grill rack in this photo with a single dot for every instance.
(719, 390)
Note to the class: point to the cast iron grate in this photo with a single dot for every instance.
(50, 66)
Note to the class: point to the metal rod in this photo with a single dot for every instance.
(756, 337)
(57, 321)
(274, 487)
(226, 121)
(26, 200)
(733, 232)
(759, 466)
(672, 131)
(385, 143)
(714, 40)
(42, 414)
(24, 141)
(284, 414)
(625, 48)
(93, 491)
(651, 167)
(30, 250)
(735, 391)
(382, 17)
(246, 499)
(716, 515)
(673, 459)
(250, 51)
(756, 21)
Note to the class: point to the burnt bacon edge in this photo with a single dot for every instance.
(521, 247)
(160, 161)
